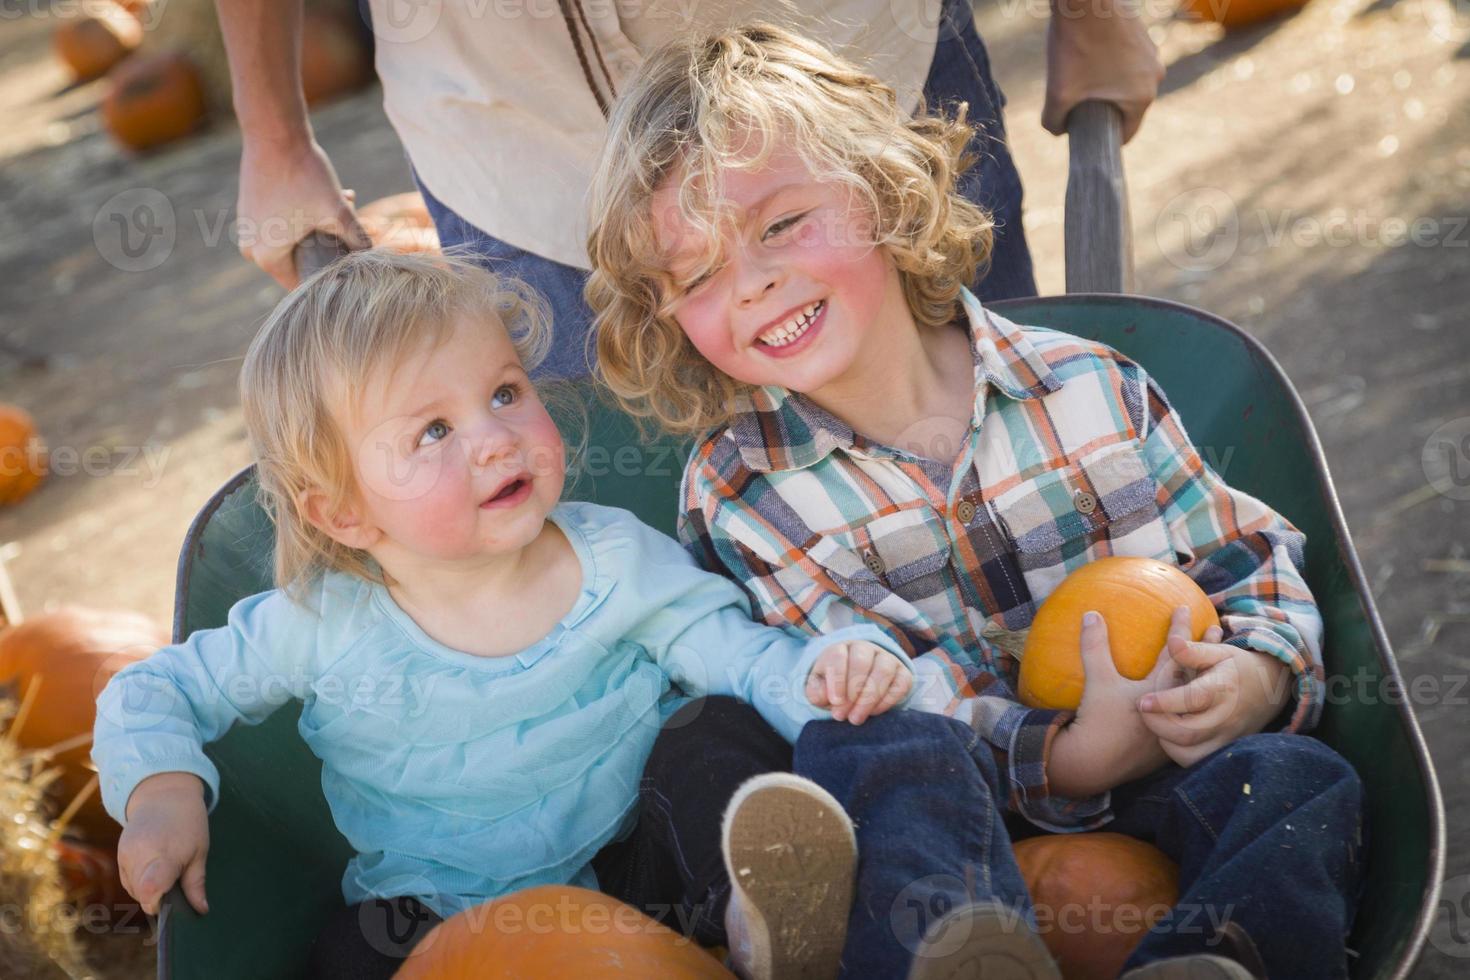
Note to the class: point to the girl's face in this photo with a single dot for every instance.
(799, 293)
(455, 455)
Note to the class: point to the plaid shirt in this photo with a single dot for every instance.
(1072, 453)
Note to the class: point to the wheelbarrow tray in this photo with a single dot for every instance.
(276, 859)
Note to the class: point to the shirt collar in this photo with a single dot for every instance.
(776, 429)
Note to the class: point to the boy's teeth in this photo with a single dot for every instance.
(791, 329)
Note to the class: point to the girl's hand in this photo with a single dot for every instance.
(1234, 692)
(857, 680)
(165, 840)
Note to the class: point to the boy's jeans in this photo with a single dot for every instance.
(960, 73)
(926, 796)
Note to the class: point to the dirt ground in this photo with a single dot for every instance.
(1308, 179)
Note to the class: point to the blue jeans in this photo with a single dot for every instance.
(960, 73)
(1283, 861)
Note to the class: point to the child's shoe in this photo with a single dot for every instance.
(1197, 967)
(982, 940)
(792, 858)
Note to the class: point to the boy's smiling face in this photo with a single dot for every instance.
(455, 456)
(799, 292)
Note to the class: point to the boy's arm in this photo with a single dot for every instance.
(800, 594)
(156, 716)
(1246, 557)
(697, 626)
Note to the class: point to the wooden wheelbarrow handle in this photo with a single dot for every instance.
(317, 251)
(1099, 240)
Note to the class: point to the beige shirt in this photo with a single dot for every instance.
(492, 105)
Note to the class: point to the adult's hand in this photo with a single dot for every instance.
(288, 188)
(1099, 49)
(286, 193)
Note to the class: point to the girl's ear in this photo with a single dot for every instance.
(342, 524)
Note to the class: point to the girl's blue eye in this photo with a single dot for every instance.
(433, 432)
(505, 395)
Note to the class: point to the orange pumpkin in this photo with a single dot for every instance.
(91, 877)
(400, 222)
(153, 100)
(67, 657)
(1237, 13)
(1096, 895)
(334, 59)
(93, 42)
(1135, 596)
(22, 455)
(557, 931)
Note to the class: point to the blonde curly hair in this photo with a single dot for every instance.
(364, 312)
(729, 99)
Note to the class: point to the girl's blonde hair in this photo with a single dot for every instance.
(727, 100)
(367, 311)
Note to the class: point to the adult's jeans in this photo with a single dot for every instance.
(960, 73)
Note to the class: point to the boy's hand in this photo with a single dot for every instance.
(1107, 743)
(857, 680)
(165, 840)
(1233, 693)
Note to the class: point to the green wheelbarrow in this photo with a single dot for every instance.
(276, 859)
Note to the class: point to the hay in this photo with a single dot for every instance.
(37, 927)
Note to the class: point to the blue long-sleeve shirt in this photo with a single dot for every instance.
(458, 778)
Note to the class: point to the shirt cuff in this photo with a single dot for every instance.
(117, 789)
(1308, 689)
(1026, 734)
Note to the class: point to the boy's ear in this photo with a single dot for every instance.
(342, 524)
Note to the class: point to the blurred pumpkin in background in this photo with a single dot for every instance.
(95, 40)
(22, 455)
(54, 665)
(153, 99)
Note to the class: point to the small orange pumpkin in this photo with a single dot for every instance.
(67, 656)
(334, 59)
(400, 222)
(91, 877)
(1237, 13)
(22, 455)
(1135, 596)
(93, 42)
(1096, 895)
(557, 931)
(153, 100)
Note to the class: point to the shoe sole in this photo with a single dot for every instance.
(982, 940)
(792, 858)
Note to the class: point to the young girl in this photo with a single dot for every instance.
(484, 668)
(781, 265)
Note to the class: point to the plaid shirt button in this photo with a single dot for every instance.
(874, 563)
(1085, 502)
(965, 512)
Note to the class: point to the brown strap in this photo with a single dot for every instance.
(566, 15)
(596, 48)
